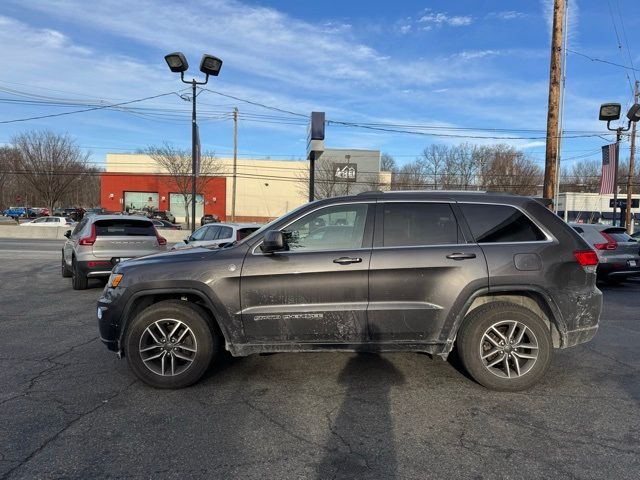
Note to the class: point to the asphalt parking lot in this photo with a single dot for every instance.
(70, 409)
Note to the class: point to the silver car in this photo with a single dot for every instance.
(217, 233)
(99, 242)
(618, 252)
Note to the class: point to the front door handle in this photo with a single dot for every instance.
(347, 260)
(461, 256)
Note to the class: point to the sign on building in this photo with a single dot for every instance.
(346, 172)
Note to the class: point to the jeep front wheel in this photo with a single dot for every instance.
(170, 344)
(505, 346)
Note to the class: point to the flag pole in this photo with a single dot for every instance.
(615, 176)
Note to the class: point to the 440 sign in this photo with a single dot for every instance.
(346, 172)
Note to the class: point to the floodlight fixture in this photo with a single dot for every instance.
(610, 111)
(177, 62)
(210, 65)
(634, 113)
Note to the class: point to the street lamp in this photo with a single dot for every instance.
(209, 65)
(610, 112)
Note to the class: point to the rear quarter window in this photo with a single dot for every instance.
(124, 227)
(500, 224)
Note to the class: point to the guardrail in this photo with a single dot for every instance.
(57, 233)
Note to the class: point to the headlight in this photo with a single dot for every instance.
(114, 280)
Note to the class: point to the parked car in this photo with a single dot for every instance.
(99, 242)
(165, 225)
(49, 222)
(163, 215)
(98, 211)
(34, 212)
(618, 252)
(209, 218)
(217, 234)
(75, 213)
(499, 276)
(15, 212)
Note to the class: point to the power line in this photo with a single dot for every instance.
(593, 59)
(88, 109)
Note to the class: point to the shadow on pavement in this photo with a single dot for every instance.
(361, 444)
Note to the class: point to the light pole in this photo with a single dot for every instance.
(209, 65)
(610, 112)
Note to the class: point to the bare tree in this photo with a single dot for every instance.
(177, 163)
(506, 169)
(49, 164)
(387, 163)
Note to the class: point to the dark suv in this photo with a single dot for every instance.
(499, 277)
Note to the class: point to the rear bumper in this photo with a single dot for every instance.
(581, 314)
(94, 268)
(617, 269)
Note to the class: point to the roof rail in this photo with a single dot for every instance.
(470, 192)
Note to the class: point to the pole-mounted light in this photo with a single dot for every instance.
(209, 65)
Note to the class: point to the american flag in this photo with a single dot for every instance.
(609, 164)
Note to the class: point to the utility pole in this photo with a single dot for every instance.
(194, 155)
(550, 170)
(235, 163)
(632, 157)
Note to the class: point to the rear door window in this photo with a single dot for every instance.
(211, 233)
(416, 224)
(113, 228)
(500, 224)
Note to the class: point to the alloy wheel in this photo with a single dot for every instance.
(168, 347)
(509, 349)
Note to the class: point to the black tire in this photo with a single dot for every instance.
(79, 281)
(64, 270)
(471, 342)
(207, 343)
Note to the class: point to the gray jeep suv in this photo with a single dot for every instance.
(499, 277)
(99, 242)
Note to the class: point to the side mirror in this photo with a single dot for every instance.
(186, 240)
(273, 241)
(67, 234)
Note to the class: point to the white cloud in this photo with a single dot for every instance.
(474, 54)
(440, 18)
(507, 15)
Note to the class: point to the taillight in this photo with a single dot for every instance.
(161, 240)
(91, 239)
(586, 258)
(610, 245)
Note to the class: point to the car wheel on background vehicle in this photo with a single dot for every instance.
(78, 280)
(505, 346)
(170, 344)
(66, 273)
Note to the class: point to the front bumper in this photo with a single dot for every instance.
(109, 313)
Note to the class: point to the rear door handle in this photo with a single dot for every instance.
(347, 260)
(461, 256)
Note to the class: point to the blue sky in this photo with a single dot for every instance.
(450, 64)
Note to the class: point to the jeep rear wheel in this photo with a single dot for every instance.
(505, 346)
(170, 344)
